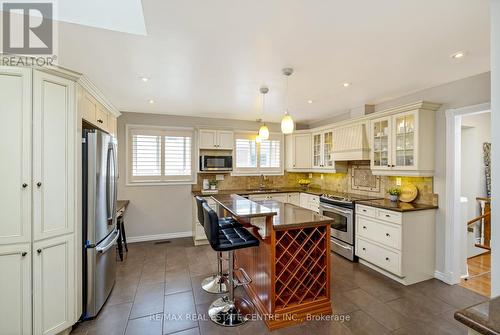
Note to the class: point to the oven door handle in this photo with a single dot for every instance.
(333, 208)
(340, 245)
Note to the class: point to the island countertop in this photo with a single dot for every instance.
(284, 215)
(397, 206)
(484, 318)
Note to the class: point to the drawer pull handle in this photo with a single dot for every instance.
(364, 210)
(387, 234)
(387, 259)
(99, 120)
(387, 216)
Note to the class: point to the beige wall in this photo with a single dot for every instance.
(162, 210)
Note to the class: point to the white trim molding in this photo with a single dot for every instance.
(85, 82)
(158, 237)
(455, 230)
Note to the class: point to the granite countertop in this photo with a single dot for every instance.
(242, 207)
(291, 216)
(313, 191)
(398, 206)
(284, 215)
(121, 204)
(483, 318)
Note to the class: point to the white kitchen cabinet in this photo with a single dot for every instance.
(309, 201)
(93, 112)
(199, 236)
(293, 198)
(400, 245)
(281, 197)
(15, 146)
(298, 152)
(322, 150)
(216, 139)
(15, 289)
(403, 143)
(54, 136)
(53, 285)
(38, 205)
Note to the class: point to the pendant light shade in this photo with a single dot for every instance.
(263, 132)
(287, 124)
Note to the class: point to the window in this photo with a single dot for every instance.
(256, 158)
(160, 155)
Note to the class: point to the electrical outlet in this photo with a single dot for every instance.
(398, 181)
(219, 177)
(310, 175)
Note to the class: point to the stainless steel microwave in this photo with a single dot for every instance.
(216, 163)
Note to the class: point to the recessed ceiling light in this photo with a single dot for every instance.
(458, 55)
(144, 79)
(151, 101)
(346, 84)
(310, 101)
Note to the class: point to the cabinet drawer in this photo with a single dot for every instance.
(384, 233)
(383, 258)
(366, 210)
(390, 216)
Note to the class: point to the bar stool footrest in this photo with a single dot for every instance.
(247, 280)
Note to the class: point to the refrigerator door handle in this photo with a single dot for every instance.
(109, 245)
(111, 183)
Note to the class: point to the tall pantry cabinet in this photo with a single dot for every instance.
(38, 209)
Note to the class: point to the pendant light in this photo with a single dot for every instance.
(287, 124)
(263, 130)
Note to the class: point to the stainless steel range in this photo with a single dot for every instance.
(340, 207)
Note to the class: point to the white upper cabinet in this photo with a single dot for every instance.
(322, 150)
(216, 139)
(298, 152)
(54, 139)
(53, 285)
(398, 144)
(95, 113)
(15, 146)
(15, 289)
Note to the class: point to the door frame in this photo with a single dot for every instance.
(454, 234)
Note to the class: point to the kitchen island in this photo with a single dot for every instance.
(290, 269)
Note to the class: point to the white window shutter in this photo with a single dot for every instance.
(177, 156)
(246, 153)
(146, 155)
(270, 154)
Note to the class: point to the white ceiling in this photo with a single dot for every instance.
(209, 58)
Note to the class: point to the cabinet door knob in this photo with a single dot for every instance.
(387, 259)
(39, 184)
(25, 185)
(24, 253)
(39, 251)
(388, 165)
(387, 234)
(364, 249)
(99, 120)
(364, 227)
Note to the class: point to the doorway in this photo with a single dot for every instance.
(468, 196)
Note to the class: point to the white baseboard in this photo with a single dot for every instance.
(444, 277)
(145, 238)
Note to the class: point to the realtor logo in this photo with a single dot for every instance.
(27, 28)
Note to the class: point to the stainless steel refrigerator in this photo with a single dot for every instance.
(100, 233)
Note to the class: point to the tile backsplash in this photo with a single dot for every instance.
(335, 182)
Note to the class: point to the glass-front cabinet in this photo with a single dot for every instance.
(403, 140)
(323, 150)
(381, 139)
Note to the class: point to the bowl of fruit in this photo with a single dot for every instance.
(304, 183)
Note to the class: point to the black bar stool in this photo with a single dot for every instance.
(228, 311)
(216, 283)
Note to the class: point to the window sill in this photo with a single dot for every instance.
(162, 183)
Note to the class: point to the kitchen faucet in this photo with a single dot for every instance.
(262, 184)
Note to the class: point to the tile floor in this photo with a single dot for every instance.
(158, 284)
